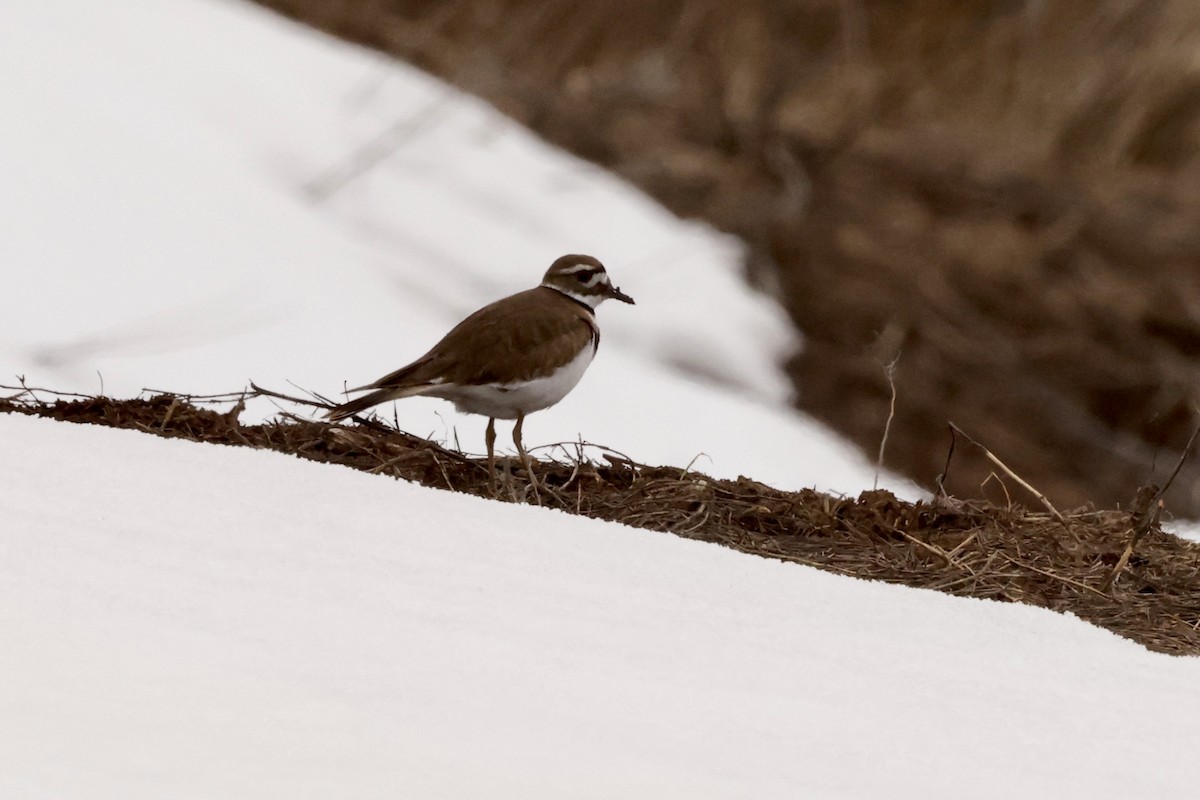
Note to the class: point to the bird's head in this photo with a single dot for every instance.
(583, 278)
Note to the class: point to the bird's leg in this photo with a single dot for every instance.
(490, 438)
(517, 440)
(526, 461)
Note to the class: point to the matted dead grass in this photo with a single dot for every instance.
(971, 549)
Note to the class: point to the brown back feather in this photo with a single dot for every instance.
(539, 326)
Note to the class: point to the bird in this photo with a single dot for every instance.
(518, 355)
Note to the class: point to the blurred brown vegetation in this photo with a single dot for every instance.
(999, 196)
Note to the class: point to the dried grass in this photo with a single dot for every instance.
(971, 549)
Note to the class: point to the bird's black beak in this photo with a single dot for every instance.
(617, 294)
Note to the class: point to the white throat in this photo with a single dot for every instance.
(589, 300)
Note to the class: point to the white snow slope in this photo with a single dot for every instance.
(184, 620)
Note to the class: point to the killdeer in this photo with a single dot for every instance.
(518, 355)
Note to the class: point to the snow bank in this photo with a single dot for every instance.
(195, 621)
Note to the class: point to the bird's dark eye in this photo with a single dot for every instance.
(585, 276)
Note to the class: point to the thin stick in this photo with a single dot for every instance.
(934, 549)
(692, 463)
(1017, 562)
(889, 370)
(170, 412)
(963, 546)
(1029, 487)
(940, 480)
(280, 396)
(1147, 513)
(226, 397)
(24, 389)
(1187, 451)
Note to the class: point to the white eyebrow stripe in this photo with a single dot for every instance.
(580, 267)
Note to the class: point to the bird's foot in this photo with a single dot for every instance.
(533, 480)
(516, 489)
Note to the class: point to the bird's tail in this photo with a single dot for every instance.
(352, 407)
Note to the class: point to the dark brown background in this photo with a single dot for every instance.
(999, 197)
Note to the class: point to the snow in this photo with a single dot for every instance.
(201, 621)
(193, 621)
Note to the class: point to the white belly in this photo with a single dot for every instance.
(506, 401)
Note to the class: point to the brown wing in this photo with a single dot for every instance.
(498, 342)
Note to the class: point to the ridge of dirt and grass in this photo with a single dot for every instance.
(1114, 568)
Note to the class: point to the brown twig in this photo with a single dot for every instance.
(1029, 487)
(170, 412)
(24, 389)
(934, 549)
(1062, 578)
(1147, 512)
(889, 370)
(941, 479)
(300, 401)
